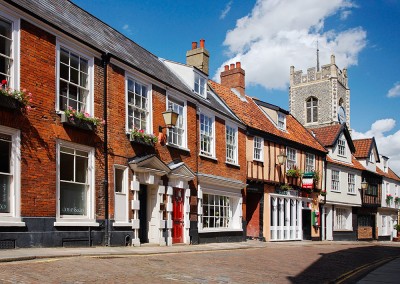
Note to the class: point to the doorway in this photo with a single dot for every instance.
(143, 214)
(254, 214)
(178, 216)
(306, 221)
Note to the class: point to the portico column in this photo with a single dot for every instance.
(135, 206)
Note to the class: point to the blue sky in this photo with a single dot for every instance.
(268, 36)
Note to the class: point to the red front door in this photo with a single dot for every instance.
(177, 216)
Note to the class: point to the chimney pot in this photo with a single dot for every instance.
(238, 65)
(194, 45)
(232, 66)
(226, 67)
(202, 43)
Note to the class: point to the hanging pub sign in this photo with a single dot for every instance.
(308, 181)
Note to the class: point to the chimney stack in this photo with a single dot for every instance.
(198, 56)
(233, 76)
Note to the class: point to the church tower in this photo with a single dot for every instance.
(320, 97)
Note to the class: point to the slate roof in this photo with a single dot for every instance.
(84, 27)
(363, 147)
(328, 135)
(254, 117)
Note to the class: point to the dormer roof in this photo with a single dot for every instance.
(364, 148)
(329, 135)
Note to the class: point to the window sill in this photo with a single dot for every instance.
(178, 147)
(219, 230)
(76, 223)
(122, 224)
(343, 230)
(259, 161)
(336, 191)
(352, 193)
(208, 157)
(232, 164)
(11, 223)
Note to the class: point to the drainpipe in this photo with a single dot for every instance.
(105, 60)
(323, 204)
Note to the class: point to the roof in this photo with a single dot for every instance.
(252, 116)
(328, 135)
(354, 163)
(390, 174)
(364, 148)
(67, 17)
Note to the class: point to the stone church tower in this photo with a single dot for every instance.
(320, 97)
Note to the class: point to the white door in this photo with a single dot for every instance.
(153, 211)
(120, 194)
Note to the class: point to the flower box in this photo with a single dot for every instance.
(77, 122)
(10, 102)
(141, 140)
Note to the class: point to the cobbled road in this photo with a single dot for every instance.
(275, 263)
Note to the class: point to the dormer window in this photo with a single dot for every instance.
(371, 157)
(281, 121)
(341, 147)
(200, 85)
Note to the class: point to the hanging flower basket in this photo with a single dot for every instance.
(77, 122)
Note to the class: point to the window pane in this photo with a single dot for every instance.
(74, 61)
(119, 176)
(74, 76)
(4, 193)
(81, 169)
(72, 199)
(5, 153)
(64, 72)
(66, 167)
(64, 56)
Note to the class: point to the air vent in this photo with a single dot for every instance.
(7, 244)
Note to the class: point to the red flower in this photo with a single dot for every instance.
(4, 82)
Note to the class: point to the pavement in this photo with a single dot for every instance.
(386, 271)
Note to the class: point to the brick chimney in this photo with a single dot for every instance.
(198, 56)
(233, 77)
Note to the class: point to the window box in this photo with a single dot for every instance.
(141, 140)
(77, 123)
(10, 103)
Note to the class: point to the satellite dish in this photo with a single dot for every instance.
(341, 115)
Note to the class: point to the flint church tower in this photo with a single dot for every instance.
(320, 97)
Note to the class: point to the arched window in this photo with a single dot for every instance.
(312, 110)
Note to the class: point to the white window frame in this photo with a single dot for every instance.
(13, 218)
(61, 44)
(13, 81)
(342, 219)
(77, 220)
(203, 152)
(124, 191)
(182, 116)
(351, 183)
(291, 160)
(335, 180)
(201, 82)
(234, 146)
(149, 125)
(258, 148)
(281, 121)
(341, 146)
(310, 162)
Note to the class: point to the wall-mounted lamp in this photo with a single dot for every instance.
(364, 184)
(170, 118)
(281, 158)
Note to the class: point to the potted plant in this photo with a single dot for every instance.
(389, 198)
(323, 193)
(285, 187)
(141, 137)
(397, 228)
(293, 172)
(14, 99)
(397, 200)
(81, 120)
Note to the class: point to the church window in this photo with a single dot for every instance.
(312, 110)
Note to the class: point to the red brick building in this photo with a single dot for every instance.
(74, 182)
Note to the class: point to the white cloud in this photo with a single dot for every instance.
(345, 14)
(275, 35)
(127, 29)
(226, 10)
(395, 91)
(387, 145)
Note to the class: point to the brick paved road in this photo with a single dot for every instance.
(276, 263)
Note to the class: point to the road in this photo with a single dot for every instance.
(301, 262)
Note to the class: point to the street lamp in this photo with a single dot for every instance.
(170, 118)
(364, 184)
(281, 158)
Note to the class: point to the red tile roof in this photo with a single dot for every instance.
(363, 147)
(354, 163)
(390, 174)
(327, 135)
(253, 116)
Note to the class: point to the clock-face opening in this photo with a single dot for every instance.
(341, 115)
